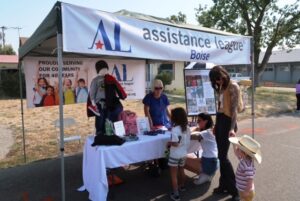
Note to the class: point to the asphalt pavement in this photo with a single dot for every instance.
(277, 178)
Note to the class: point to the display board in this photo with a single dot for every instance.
(199, 94)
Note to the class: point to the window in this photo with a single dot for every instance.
(284, 68)
(230, 70)
(168, 68)
(269, 69)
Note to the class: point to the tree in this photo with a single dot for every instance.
(264, 20)
(165, 77)
(7, 50)
(180, 18)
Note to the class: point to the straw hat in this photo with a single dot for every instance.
(247, 144)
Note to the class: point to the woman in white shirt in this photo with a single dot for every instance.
(209, 160)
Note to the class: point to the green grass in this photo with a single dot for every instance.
(268, 101)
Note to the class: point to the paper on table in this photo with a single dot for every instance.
(119, 128)
(142, 124)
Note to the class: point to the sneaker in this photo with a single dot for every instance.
(220, 191)
(94, 109)
(174, 197)
(203, 178)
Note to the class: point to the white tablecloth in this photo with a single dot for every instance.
(97, 159)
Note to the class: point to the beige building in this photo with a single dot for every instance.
(175, 68)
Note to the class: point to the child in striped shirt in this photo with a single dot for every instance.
(246, 149)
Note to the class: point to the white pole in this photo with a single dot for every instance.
(61, 112)
(253, 85)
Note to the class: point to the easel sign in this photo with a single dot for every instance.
(199, 94)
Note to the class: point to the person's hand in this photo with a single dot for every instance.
(231, 133)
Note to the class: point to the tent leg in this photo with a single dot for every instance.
(61, 113)
(253, 85)
(22, 109)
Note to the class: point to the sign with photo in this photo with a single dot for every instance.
(199, 94)
(41, 76)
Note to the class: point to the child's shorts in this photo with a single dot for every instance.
(175, 162)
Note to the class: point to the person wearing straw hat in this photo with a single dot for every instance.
(247, 150)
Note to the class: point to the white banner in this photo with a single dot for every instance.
(96, 32)
(41, 76)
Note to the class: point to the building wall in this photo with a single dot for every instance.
(285, 73)
(295, 72)
(177, 82)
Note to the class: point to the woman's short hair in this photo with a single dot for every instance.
(157, 83)
(218, 73)
(206, 117)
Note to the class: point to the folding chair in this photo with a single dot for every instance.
(68, 122)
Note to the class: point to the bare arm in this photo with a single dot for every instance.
(234, 95)
(235, 150)
(196, 137)
(76, 80)
(86, 70)
(168, 111)
(173, 144)
(147, 114)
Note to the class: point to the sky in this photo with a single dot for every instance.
(28, 14)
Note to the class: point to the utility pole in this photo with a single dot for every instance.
(3, 28)
(3, 35)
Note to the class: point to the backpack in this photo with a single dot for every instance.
(129, 120)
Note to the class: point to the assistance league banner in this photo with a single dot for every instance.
(96, 32)
(41, 76)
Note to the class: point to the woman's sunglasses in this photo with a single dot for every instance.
(158, 88)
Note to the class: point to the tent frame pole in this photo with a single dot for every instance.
(253, 86)
(22, 109)
(61, 112)
(61, 107)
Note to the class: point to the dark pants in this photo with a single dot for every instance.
(298, 101)
(227, 177)
(105, 113)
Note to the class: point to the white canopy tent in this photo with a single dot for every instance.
(73, 31)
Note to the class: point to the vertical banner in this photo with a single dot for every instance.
(41, 76)
(199, 94)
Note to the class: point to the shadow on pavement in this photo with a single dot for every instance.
(41, 181)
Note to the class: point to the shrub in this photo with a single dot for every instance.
(165, 77)
(10, 85)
